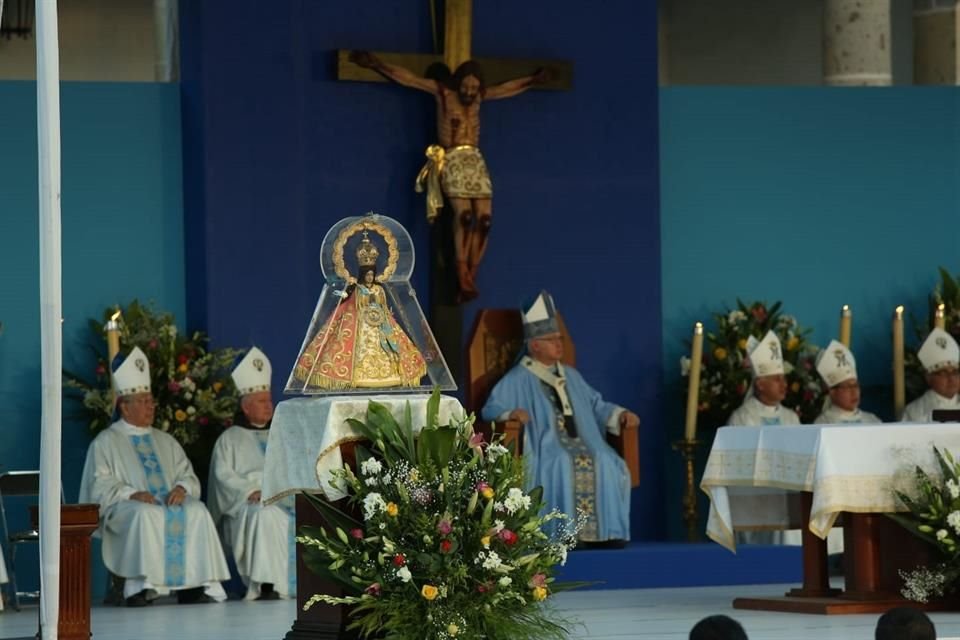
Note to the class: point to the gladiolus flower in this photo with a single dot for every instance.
(399, 560)
(392, 509)
(539, 593)
(357, 534)
(445, 546)
(430, 592)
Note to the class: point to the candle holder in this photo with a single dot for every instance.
(688, 449)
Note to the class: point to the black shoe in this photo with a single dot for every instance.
(193, 596)
(138, 599)
(267, 592)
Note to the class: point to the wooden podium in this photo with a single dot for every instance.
(77, 522)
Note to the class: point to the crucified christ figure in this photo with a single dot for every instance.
(463, 174)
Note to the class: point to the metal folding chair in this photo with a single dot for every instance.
(21, 484)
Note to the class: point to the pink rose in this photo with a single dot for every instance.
(356, 534)
(444, 527)
(203, 421)
(152, 344)
(538, 580)
(508, 537)
(173, 386)
(101, 370)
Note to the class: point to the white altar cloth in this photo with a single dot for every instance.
(753, 474)
(306, 434)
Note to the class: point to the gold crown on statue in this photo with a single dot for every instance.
(367, 252)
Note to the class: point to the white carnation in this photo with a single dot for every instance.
(941, 534)
(953, 488)
(736, 316)
(505, 581)
(372, 505)
(515, 501)
(404, 574)
(371, 467)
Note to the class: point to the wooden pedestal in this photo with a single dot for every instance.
(77, 522)
(875, 550)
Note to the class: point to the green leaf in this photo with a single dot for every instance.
(433, 409)
(332, 515)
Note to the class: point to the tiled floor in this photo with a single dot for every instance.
(604, 615)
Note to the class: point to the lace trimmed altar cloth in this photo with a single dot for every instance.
(754, 475)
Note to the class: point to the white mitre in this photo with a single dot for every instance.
(133, 375)
(836, 364)
(766, 356)
(253, 372)
(939, 351)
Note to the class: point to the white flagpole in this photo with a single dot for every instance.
(48, 128)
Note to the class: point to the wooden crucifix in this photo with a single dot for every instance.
(455, 177)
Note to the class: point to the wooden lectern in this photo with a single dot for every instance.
(77, 523)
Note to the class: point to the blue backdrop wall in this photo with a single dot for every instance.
(818, 197)
(122, 238)
(276, 151)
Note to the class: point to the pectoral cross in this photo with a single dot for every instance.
(457, 40)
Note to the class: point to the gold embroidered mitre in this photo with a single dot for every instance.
(367, 253)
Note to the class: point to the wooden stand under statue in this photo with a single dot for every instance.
(368, 340)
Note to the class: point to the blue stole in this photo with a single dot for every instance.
(288, 505)
(175, 519)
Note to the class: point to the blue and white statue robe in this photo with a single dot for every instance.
(261, 537)
(582, 474)
(155, 547)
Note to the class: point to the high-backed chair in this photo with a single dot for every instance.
(495, 342)
(21, 484)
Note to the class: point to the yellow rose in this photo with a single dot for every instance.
(793, 343)
(429, 592)
(485, 541)
(392, 509)
(217, 386)
(539, 593)
(183, 368)
(795, 387)
(180, 415)
(742, 344)
(720, 353)
(488, 492)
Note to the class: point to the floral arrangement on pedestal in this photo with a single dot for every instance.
(934, 515)
(947, 293)
(445, 543)
(191, 383)
(725, 372)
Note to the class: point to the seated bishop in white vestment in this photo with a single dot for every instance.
(762, 407)
(157, 535)
(940, 356)
(838, 368)
(260, 537)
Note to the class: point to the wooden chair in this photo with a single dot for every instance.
(495, 340)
